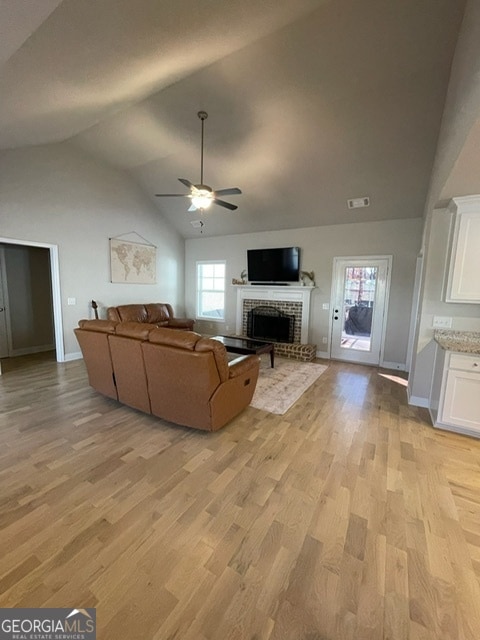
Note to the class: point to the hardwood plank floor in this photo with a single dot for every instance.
(347, 517)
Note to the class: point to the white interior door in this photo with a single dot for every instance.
(359, 294)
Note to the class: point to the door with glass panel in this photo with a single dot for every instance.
(359, 296)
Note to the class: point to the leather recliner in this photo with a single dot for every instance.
(175, 375)
(157, 313)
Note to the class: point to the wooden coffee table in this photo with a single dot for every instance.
(246, 346)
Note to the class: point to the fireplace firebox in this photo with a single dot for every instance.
(269, 323)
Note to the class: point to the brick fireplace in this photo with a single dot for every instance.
(290, 300)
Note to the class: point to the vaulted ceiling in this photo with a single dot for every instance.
(310, 102)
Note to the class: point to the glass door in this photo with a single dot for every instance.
(359, 301)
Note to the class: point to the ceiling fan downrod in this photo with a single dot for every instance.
(203, 115)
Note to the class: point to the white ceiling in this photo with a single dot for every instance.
(310, 102)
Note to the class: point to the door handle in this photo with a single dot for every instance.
(2, 308)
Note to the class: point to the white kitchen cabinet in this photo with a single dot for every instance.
(463, 283)
(455, 397)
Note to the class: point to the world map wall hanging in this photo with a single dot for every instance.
(132, 262)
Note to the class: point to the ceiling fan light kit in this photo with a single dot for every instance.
(201, 195)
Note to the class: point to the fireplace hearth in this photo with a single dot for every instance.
(269, 323)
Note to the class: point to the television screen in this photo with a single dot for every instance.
(274, 265)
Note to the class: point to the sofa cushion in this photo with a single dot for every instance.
(179, 339)
(137, 330)
(102, 326)
(159, 312)
(132, 313)
(219, 353)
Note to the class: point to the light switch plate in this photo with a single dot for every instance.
(442, 322)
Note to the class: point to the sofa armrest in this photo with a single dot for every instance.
(181, 323)
(242, 365)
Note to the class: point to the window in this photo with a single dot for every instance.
(211, 290)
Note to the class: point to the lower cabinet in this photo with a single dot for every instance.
(455, 397)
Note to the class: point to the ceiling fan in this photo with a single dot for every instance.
(201, 195)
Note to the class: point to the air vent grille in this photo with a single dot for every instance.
(357, 203)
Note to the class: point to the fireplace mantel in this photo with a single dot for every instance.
(282, 294)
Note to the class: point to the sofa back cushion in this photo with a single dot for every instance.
(93, 337)
(131, 313)
(102, 326)
(128, 365)
(159, 312)
(181, 380)
(217, 349)
(136, 330)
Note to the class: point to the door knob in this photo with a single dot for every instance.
(2, 308)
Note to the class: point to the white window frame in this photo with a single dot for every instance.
(200, 291)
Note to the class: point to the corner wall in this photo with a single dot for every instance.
(465, 317)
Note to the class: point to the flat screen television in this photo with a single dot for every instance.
(274, 265)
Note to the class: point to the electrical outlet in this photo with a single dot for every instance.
(324, 340)
(326, 306)
(71, 301)
(442, 322)
(227, 327)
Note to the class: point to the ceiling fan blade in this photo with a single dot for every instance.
(172, 195)
(186, 182)
(227, 205)
(228, 192)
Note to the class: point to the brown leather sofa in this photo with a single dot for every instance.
(175, 375)
(158, 313)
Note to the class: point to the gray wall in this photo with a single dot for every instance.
(28, 284)
(456, 156)
(319, 245)
(56, 194)
(465, 317)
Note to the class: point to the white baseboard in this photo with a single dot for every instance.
(322, 354)
(397, 366)
(77, 355)
(416, 401)
(28, 350)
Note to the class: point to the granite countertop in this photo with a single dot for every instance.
(463, 341)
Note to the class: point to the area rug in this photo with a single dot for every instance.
(279, 388)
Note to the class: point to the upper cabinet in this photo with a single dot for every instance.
(463, 284)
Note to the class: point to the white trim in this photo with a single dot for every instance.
(464, 431)
(76, 355)
(322, 354)
(197, 290)
(417, 401)
(414, 315)
(333, 294)
(56, 291)
(397, 366)
(25, 351)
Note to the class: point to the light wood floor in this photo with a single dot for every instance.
(347, 518)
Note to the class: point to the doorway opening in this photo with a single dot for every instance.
(360, 290)
(55, 304)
